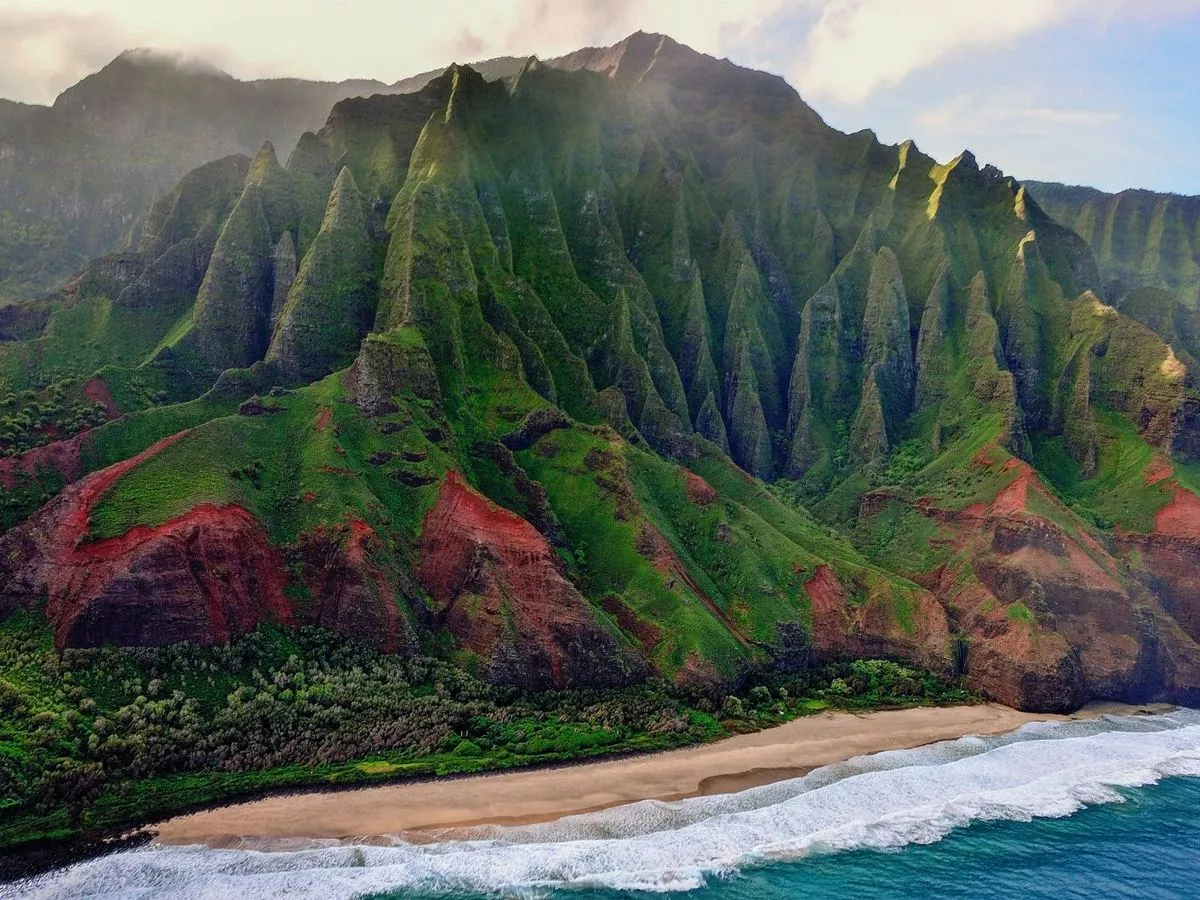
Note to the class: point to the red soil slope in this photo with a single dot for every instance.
(354, 595)
(1049, 614)
(871, 628)
(204, 577)
(501, 590)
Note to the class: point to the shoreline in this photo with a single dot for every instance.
(437, 809)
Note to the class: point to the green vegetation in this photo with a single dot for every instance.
(585, 479)
(1117, 492)
(760, 393)
(103, 739)
(35, 418)
(1019, 612)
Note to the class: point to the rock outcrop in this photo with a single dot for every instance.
(386, 366)
(354, 586)
(330, 305)
(233, 307)
(1048, 621)
(501, 591)
(205, 577)
(871, 630)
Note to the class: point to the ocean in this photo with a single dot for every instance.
(1096, 809)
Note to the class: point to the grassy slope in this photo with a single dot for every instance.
(1117, 493)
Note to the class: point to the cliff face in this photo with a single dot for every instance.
(503, 594)
(1140, 238)
(1147, 246)
(77, 177)
(204, 577)
(626, 364)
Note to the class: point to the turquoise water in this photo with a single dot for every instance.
(1107, 808)
(1146, 847)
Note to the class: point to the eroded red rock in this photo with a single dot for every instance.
(871, 629)
(1181, 517)
(354, 594)
(1052, 618)
(61, 457)
(699, 491)
(204, 577)
(97, 391)
(1158, 470)
(501, 590)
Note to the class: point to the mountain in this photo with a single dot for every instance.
(621, 366)
(76, 177)
(1147, 246)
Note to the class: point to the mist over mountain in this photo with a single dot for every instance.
(76, 177)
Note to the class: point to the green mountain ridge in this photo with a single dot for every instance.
(77, 177)
(624, 364)
(1147, 247)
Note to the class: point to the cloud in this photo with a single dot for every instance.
(1010, 111)
(834, 51)
(43, 52)
(46, 45)
(1031, 138)
(857, 47)
(552, 28)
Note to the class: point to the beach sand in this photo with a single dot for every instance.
(415, 809)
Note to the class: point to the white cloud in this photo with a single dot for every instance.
(44, 52)
(857, 47)
(550, 28)
(832, 50)
(45, 45)
(1008, 111)
(1030, 138)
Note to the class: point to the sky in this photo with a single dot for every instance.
(1099, 92)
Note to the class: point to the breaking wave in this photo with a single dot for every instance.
(883, 801)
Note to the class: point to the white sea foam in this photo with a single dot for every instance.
(882, 801)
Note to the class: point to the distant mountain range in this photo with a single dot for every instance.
(1147, 246)
(620, 365)
(77, 176)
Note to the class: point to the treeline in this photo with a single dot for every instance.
(82, 729)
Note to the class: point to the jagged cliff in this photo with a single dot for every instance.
(627, 363)
(76, 177)
(1147, 246)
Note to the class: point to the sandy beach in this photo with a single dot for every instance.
(737, 763)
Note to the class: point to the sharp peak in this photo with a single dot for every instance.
(640, 43)
(908, 152)
(457, 67)
(462, 73)
(266, 153)
(966, 160)
(345, 181)
(265, 165)
(653, 43)
(158, 58)
(641, 35)
(531, 64)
